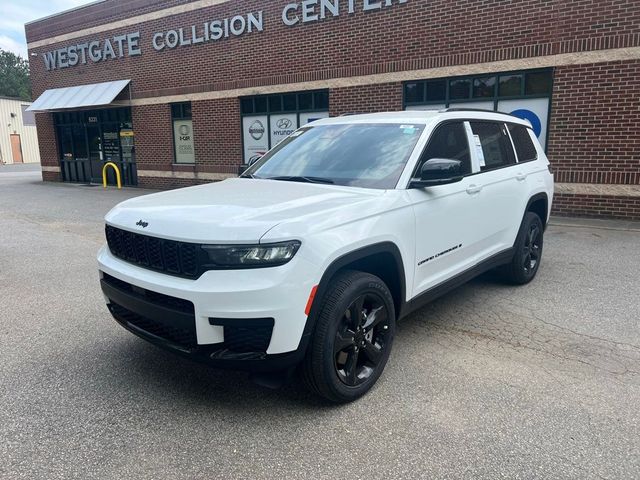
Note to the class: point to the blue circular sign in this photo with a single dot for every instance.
(532, 117)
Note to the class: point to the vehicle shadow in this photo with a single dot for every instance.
(156, 372)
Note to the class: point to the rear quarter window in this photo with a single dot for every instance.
(525, 149)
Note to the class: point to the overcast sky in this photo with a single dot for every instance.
(15, 13)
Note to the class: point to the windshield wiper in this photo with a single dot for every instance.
(302, 179)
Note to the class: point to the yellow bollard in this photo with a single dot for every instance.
(104, 174)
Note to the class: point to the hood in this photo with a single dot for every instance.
(233, 211)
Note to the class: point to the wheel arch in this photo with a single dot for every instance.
(539, 204)
(381, 259)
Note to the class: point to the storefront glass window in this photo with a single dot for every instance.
(537, 83)
(525, 94)
(269, 119)
(290, 102)
(510, 85)
(305, 101)
(483, 87)
(183, 142)
(459, 89)
(414, 92)
(275, 103)
(436, 91)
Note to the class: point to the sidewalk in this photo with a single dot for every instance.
(602, 223)
(19, 167)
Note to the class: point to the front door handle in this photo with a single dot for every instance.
(521, 177)
(473, 189)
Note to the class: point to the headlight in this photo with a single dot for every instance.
(247, 256)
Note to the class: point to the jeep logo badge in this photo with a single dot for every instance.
(256, 130)
(142, 224)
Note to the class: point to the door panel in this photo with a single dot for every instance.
(94, 142)
(499, 201)
(16, 148)
(448, 225)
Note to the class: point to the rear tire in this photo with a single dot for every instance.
(527, 251)
(352, 339)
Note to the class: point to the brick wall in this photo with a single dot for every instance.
(157, 183)
(48, 146)
(216, 128)
(626, 208)
(417, 34)
(153, 137)
(593, 134)
(366, 99)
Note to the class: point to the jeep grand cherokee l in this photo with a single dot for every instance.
(310, 258)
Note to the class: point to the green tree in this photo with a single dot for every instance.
(14, 76)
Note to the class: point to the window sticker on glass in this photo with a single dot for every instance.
(408, 129)
(479, 151)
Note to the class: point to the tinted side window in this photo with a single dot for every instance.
(493, 145)
(449, 141)
(524, 145)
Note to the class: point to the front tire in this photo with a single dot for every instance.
(353, 337)
(527, 251)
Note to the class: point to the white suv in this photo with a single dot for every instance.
(311, 256)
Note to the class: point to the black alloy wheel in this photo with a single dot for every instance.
(360, 339)
(527, 251)
(353, 336)
(532, 250)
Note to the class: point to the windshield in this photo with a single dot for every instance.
(359, 155)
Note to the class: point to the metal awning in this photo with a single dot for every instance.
(96, 94)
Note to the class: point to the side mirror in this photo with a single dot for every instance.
(438, 171)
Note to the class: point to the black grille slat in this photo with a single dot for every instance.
(130, 251)
(155, 253)
(188, 258)
(183, 337)
(167, 256)
(161, 299)
(170, 255)
(141, 250)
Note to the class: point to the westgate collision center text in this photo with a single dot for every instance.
(128, 45)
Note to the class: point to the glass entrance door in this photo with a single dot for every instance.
(89, 139)
(80, 154)
(94, 142)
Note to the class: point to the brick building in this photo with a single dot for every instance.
(180, 92)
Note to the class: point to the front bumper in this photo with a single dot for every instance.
(244, 319)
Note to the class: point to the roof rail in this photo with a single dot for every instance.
(461, 109)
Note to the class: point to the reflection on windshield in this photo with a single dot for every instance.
(361, 155)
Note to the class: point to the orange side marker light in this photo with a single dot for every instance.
(312, 295)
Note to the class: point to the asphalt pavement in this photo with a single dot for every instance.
(490, 381)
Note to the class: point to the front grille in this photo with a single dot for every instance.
(167, 256)
(183, 337)
(160, 299)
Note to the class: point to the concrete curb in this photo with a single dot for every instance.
(602, 224)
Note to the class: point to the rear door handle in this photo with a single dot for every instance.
(473, 189)
(521, 177)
